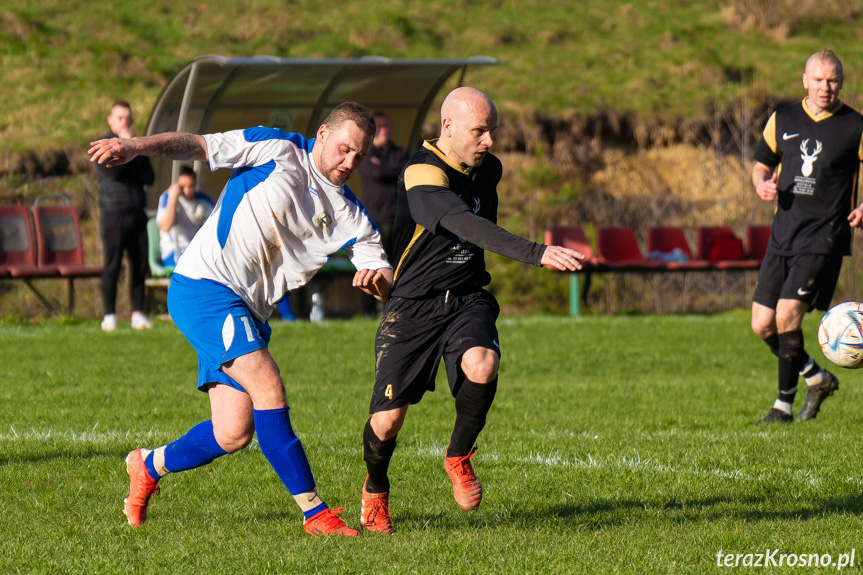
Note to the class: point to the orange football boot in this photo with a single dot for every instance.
(141, 488)
(328, 522)
(466, 488)
(375, 511)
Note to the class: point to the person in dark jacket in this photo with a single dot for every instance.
(124, 222)
(379, 177)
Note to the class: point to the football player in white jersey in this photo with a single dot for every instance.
(283, 213)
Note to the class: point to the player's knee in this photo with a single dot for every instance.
(387, 425)
(786, 322)
(481, 370)
(763, 330)
(232, 440)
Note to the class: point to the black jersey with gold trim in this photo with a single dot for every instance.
(818, 161)
(429, 259)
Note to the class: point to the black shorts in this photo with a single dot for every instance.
(810, 278)
(415, 334)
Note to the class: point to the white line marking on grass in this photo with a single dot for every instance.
(637, 464)
(82, 436)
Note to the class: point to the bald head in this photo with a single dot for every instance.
(468, 122)
(822, 79)
(465, 99)
(823, 57)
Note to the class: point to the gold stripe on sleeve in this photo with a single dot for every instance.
(770, 133)
(425, 175)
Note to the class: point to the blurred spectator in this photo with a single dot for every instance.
(379, 176)
(123, 223)
(183, 208)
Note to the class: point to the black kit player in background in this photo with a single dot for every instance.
(808, 160)
(445, 219)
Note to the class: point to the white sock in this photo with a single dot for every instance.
(308, 500)
(815, 379)
(783, 406)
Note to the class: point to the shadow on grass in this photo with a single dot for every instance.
(63, 453)
(601, 514)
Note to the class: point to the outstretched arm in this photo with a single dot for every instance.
(172, 145)
(489, 236)
(562, 259)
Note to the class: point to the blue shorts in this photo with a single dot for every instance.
(218, 324)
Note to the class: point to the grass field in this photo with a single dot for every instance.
(615, 445)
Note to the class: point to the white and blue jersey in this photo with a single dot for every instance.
(189, 218)
(277, 221)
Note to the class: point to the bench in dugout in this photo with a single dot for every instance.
(668, 250)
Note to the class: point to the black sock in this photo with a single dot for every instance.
(377, 455)
(471, 406)
(773, 343)
(792, 358)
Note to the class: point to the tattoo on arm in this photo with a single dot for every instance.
(179, 146)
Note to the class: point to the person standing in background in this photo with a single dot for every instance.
(379, 176)
(123, 222)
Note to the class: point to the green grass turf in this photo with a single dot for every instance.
(615, 445)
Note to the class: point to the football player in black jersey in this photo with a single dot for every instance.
(446, 215)
(807, 161)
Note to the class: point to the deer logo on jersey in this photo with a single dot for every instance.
(808, 160)
(476, 205)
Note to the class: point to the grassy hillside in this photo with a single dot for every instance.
(64, 62)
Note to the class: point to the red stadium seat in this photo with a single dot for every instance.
(757, 238)
(60, 248)
(723, 249)
(17, 246)
(666, 240)
(617, 247)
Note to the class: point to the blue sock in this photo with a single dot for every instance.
(151, 468)
(312, 512)
(198, 447)
(283, 449)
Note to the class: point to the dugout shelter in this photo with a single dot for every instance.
(216, 94)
